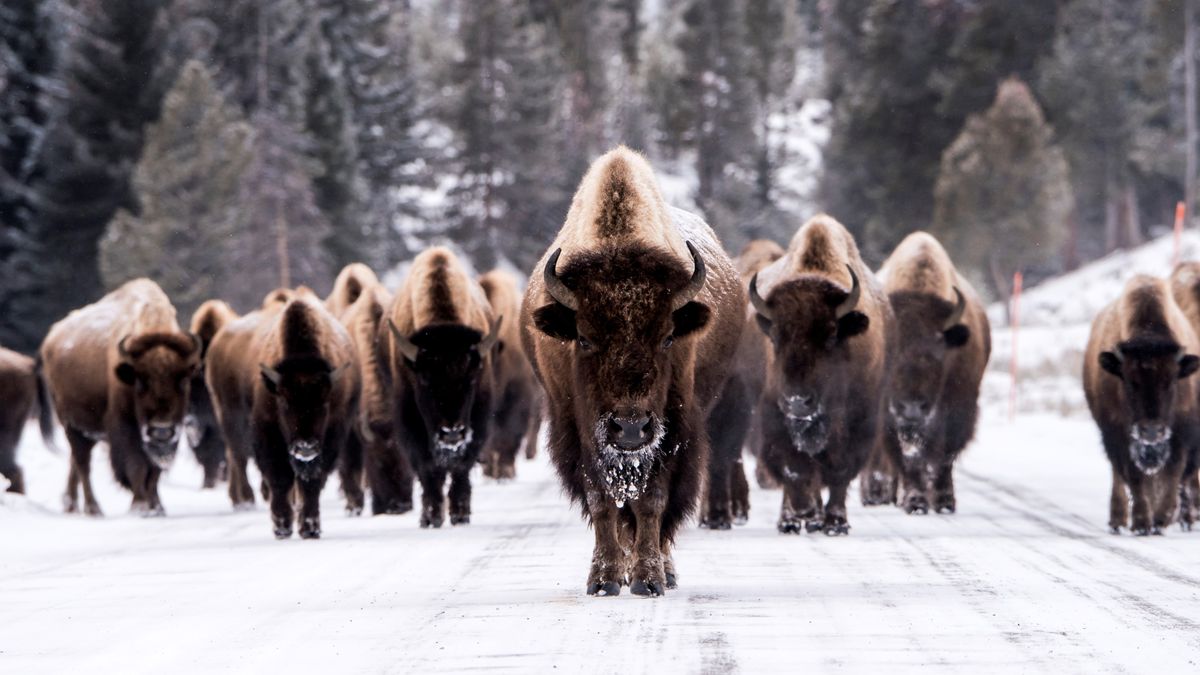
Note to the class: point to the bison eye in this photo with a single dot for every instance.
(585, 344)
(668, 342)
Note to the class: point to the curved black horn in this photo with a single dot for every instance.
(688, 293)
(197, 343)
(121, 350)
(404, 344)
(555, 287)
(960, 306)
(760, 305)
(851, 300)
(489, 341)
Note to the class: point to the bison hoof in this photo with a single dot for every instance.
(790, 526)
(427, 522)
(310, 528)
(604, 588)
(70, 504)
(1114, 529)
(392, 508)
(283, 532)
(244, 506)
(717, 523)
(646, 588)
(1185, 526)
(460, 519)
(672, 581)
(916, 505)
(1140, 531)
(836, 528)
(741, 518)
(93, 510)
(354, 510)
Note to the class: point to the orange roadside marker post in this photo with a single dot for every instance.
(1179, 210)
(1012, 362)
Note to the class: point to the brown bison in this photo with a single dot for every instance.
(1137, 377)
(388, 470)
(821, 412)
(1185, 288)
(631, 320)
(942, 344)
(200, 426)
(515, 409)
(349, 285)
(436, 349)
(120, 370)
(285, 384)
(21, 392)
(734, 420)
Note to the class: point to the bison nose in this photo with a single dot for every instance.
(305, 451)
(800, 405)
(1152, 432)
(452, 435)
(911, 411)
(161, 433)
(628, 433)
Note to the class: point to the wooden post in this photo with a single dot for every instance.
(1189, 107)
(1014, 325)
(1180, 211)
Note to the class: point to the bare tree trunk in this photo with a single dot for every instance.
(1000, 285)
(1070, 249)
(281, 248)
(1130, 218)
(1112, 215)
(1189, 98)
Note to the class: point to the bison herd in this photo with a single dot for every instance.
(653, 357)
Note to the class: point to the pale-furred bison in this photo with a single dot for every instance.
(516, 408)
(200, 425)
(22, 391)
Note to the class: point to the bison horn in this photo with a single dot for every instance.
(960, 306)
(851, 300)
(122, 351)
(694, 285)
(760, 305)
(489, 341)
(197, 343)
(555, 287)
(404, 344)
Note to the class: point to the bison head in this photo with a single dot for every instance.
(623, 310)
(159, 368)
(446, 363)
(301, 389)
(1150, 370)
(809, 321)
(931, 330)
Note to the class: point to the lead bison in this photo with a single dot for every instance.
(200, 426)
(286, 387)
(1137, 377)
(734, 420)
(120, 370)
(943, 341)
(614, 320)
(1185, 288)
(822, 411)
(516, 410)
(21, 392)
(436, 349)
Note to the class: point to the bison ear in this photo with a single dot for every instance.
(956, 336)
(1188, 365)
(690, 318)
(557, 321)
(125, 373)
(853, 323)
(499, 347)
(1111, 363)
(270, 377)
(337, 373)
(764, 324)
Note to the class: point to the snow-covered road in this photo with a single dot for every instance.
(1024, 578)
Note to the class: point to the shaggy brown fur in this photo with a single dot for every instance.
(735, 418)
(21, 393)
(120, 369)
(822, 406)
(516, 410)
(933, 388)
(441, 391)
(203, 432)
(1138, 380)
(1185, 288)
(349, 285)
(629, 356)
(388, 470)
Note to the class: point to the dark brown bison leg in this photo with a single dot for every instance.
(606, 574)
(835, 510)
(153, 503)
(1166, 510)
(8, 458)
(669, 567)
(1118, 504)
(70, 497)
(81, 471)
(1189, 508)
(281, 505)
(914, 478)
(143, 481)
(237, 450)
(727, 426)
(740, 497)
(801, 508)
(535, 426)
(649, 576)
(943, 489)
(460, 495)
(1141, 523)
(390, 477)
(433, 507)
(350, 473)
(309, 518)
(210, 453)
(877, 481)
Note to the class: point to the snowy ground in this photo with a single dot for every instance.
(1023, 579)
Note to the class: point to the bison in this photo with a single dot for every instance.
(121, 370)
(21, 392)
(942, 344)
(200, 426)
(1185, 288)
(631, 319)
(349, 285)
(436, 349)
(733, 421)
(515, 410)
(298, 373)
(821, 411)
(1137, 378)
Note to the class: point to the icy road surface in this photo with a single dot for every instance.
(1023, 579)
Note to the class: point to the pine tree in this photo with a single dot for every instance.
(188, 183)
(1004, 190)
